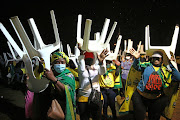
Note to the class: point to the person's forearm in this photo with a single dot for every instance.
(58, 84)
(175, 74)
(102, 69)
(100, 62)
(81, 66)
(135, 64)
(117, 70)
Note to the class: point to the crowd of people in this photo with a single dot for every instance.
(72, 86)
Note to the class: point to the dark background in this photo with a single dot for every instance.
(132, 17)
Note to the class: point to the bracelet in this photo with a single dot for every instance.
(54, 82)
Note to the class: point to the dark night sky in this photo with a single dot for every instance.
(132, 17)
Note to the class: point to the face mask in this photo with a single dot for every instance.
(59, 67)
(127, 57)
(89, 61)
(108, 65)
(142, 59)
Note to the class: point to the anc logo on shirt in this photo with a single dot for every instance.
(107, 80)
(154, 83)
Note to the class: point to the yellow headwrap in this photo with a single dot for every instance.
(58, 55)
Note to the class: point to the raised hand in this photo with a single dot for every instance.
(81, 51)
(172, 58)
(103, 55)
(49, 75)
(134, 53)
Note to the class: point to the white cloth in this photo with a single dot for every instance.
(84, 84)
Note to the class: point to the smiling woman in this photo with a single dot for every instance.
(151, 91)
(157, 58)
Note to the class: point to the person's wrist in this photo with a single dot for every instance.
(82, 52)
(100, 62)
(54, 81)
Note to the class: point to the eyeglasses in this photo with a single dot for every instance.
(156, 58)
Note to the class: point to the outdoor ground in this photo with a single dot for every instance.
(12, 106)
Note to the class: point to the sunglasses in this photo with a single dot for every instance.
(156, 58)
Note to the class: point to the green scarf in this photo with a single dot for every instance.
(165, 80)
(67, 78)
(108, 71)
(118, 83)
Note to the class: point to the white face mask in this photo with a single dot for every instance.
(59, 67)
(127, 57)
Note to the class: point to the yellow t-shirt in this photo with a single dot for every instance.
(108, 80)
(156, 68)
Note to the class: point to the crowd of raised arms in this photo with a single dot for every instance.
(86, 83)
